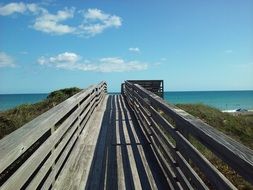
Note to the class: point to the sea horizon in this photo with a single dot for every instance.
(117, 92)
(220, 99)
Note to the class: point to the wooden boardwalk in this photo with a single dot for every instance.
(135, 140)
(124, 159)
(116, 153)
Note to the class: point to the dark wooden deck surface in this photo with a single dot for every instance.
(123, 157)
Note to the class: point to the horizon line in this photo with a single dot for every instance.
(27, 93)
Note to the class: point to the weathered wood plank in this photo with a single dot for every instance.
(160, 140)
(23, 173)
(168, 172)
(48, 182)
(15, 144)
(45, 156)
(236, 155)
(133, 167)
(76, 172)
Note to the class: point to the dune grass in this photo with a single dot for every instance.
(14, 118)
(238, 127)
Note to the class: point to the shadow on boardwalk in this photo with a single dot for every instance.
(123, 156)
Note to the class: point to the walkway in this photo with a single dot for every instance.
(124, 159)
(120, 156)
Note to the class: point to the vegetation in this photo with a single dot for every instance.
(239, 127)
(14, 118)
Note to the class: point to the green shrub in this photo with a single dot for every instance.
(14, 118)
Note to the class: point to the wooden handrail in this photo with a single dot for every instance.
(176, 154)
(38, 149)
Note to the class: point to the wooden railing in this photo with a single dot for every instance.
(172, 131)
(33, 156)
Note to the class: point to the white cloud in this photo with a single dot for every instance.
(50, 23)
(12, 8)
(6, 60)
(229, 51)
(72, 61)
(66, 57)
(95, 14)
(134, 49)
(21, 8)
(94, 22)
(115, 64)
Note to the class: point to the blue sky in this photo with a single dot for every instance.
(191, 45)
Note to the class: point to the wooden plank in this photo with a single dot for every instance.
(97, 175)
(168, 172)
(130, 155)
(147, 168)
(213, 175)
(23, 173)
(76, 170)
(118, 140)
(35, 182)
(239, 157)
(160, 140)
(144, 120)
(189, 172)
(120, 170)
(143, 128)
(45, 121)
(130, 120)
(51, 160)
(15, 144)
(183, 164)
(119, 153)
(111, 174)
(137, 141)
(236, 155)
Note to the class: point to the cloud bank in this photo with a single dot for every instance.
(93, 21)
(72, 61)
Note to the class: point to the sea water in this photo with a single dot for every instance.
(8, 101)
(223, 100)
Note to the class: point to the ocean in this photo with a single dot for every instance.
(8, 101)
(223, 100)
